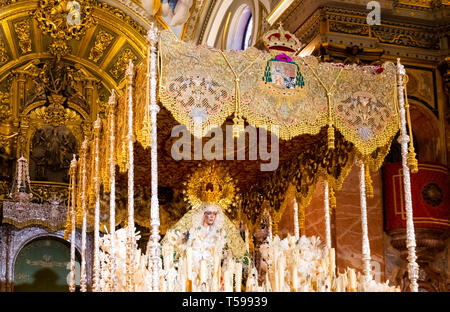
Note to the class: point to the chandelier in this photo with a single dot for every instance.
(21, 187)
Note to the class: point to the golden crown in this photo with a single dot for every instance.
(281, 40)
(211, 185)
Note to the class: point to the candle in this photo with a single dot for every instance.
(332, 255)
(294, 279)
(163, 284)
(203, 271)
(324, 265)
(238, 276)
(344, 282)
(328, 284)
(338, 282)
(228, 281)
(352, 279)
(168, 257)
(216, 268)
(189, 263)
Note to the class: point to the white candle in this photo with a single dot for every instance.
(332, 261)
(328, 284)
(189, 263)
(338, 284)
(295, 278)
(344, 282)
(238, 276)
(203, 271)
(228, 281)
(352, 280)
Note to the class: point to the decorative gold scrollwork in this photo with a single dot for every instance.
(63, 20)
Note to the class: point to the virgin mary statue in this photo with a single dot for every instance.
(205, 231)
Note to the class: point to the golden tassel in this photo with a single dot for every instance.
(238, 126)
(330, 137)
(368, 181)
(68, 223)
(331, 198)
(70, 205)
(411, 158)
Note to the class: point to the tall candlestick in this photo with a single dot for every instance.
(413, 267)
(97, 126)
(130, 138)
(365, 234)
(153, 37)
(112, 195)
(327, 215)
(72, 173)
(83, 273)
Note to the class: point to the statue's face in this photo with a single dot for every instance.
(209, 218)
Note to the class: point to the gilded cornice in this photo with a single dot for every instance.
(352, 22)
(421, 4)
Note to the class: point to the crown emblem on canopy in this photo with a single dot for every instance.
(210, 185)
(281, 40)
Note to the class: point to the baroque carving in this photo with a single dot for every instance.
(50, 216)
(352, 29)
(3, 53)
(49, 192)
(23, 33)
(353, 22)
(6, 2)
(102, 42)
(124, 17)
(122, 62)
(421, 4)
(5, 111)
(55, 82)
(63, 20)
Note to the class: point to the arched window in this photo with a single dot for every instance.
(248, 34)
(240, 29)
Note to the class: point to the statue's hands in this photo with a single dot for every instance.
(181, 12)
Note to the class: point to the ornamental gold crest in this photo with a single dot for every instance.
(63, 20)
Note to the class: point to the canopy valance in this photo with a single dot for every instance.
(202, 87)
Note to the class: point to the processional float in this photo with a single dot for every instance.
(276, 91)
